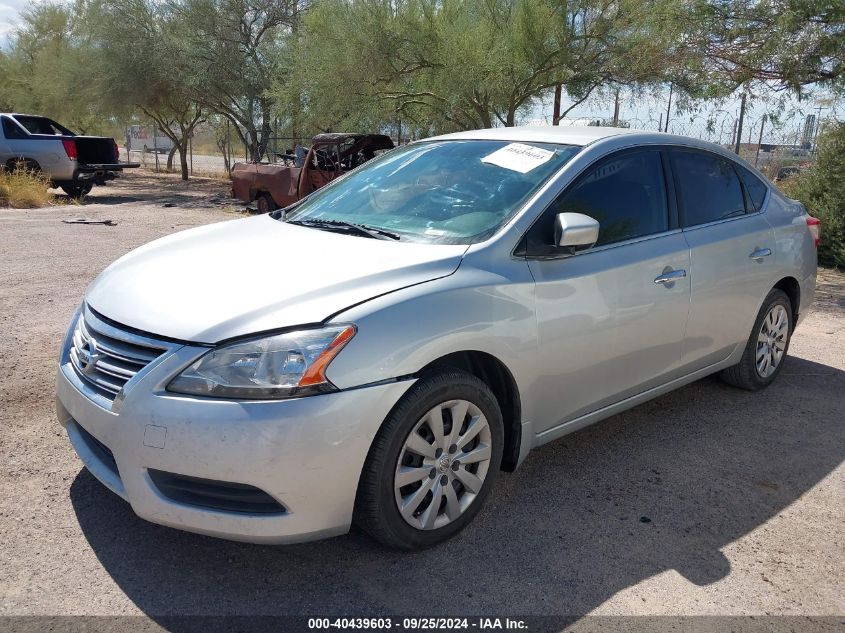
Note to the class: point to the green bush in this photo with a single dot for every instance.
(822, 190)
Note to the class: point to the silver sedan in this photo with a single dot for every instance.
(380, 351)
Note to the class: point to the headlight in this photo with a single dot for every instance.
(275, 367)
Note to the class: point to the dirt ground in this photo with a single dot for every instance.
(707, 501)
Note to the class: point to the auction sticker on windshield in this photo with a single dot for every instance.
(518, 157)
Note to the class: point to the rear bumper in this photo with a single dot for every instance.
(85, 169)
(100, 173)
(74, 173)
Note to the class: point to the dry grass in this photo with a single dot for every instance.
(24, 189)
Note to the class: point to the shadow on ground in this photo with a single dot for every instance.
(663, 486)
(70, 201)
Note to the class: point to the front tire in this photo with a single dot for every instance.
(765, 352)
(432, 463)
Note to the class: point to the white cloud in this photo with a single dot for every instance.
(10, 11)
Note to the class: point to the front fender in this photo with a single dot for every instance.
(473, 309)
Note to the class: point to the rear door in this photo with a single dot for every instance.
(731, 244)
(610, 319)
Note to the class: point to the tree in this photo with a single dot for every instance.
(782, 44)
(457, 64)
(139, 67)
(822, 191)
(234, 48)
(47, 69)
(5, 79)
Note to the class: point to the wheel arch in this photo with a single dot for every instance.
(30, 163)
(792, 288)
(496, 375)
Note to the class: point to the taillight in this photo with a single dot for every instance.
(70, 148)
(116, 151)
(815, 226)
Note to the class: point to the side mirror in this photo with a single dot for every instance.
(575, 231)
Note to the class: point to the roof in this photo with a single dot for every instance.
(543, 134)
(582, 136)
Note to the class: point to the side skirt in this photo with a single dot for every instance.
(596, 416)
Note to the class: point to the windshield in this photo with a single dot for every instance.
(446, 192)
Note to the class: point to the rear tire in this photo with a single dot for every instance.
(23, 164)
(425, 479)
(77, 191)
(265, 203)
(766, 349)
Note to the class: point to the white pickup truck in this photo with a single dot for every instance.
(73, 162)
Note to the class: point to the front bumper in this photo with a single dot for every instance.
(306, 453)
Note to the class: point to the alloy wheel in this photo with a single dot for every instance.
(771, 341)
(442, 464)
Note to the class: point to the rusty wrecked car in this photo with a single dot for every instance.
(278, 185)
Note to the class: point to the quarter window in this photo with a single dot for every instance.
(755, 187)
(626, 194)
(709, 188)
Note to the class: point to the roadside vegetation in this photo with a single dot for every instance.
(257, 71)
(21, 188)
(822, 190)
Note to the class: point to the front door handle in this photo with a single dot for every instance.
(760, 253)
(670, 276)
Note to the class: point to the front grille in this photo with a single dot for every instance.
(105, 357)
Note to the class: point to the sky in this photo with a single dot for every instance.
(10, 11)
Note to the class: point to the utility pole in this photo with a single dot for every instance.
(556, 111)
(760, 141)
(616, 110)
(669, 107)
(155, 142)
(818, 125)
(228, 147)
(739, 126)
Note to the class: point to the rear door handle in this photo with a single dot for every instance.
(760, 253)
(670, 277)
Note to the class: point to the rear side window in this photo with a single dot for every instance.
(626, 194)
(709, 188)
(10, 130)
(755, 187)
(42, 125)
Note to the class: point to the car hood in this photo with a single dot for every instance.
(247, 276)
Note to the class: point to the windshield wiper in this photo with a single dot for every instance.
(350, 227)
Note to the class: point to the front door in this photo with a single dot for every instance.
(611, 319)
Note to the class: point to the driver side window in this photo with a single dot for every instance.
(625, 193)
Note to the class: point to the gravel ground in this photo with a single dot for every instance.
(707, 501)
